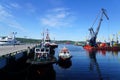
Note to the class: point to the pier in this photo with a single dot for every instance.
(14, 48)
(10, 55)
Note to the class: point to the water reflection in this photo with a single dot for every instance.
(65, 64)
(103, 52)
(14, 72)
(93, 62)
(115, 53)
(46, 72)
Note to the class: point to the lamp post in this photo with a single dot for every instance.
(14, 33)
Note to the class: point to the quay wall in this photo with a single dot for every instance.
(14, 54)
(14, 48)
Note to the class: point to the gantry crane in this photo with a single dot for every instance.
(93, 34)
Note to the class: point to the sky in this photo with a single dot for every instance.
(65, 19)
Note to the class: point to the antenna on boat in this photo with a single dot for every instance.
(42, 36)
(47, 36)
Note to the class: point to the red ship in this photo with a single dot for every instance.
(93, 45)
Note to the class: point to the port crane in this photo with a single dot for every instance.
(93, 34)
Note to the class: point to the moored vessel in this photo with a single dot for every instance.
(9, 40)
(64, 54)
(42, 56)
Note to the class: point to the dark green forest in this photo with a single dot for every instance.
(26, 40)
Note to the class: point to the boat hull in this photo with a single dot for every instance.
(3, 62)
(64, 58)
(108, 48)
(51, 60)
(64, 54)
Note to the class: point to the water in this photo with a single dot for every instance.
(84, 65)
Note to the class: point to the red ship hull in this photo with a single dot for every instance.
(114, 48)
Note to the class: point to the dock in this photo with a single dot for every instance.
(14, 48)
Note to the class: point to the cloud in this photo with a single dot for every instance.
(58, 17)
(16, 25)
(15, 5)
(8, 19)
(4, 13)
(30, 7)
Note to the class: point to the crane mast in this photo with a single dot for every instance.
(93, 33)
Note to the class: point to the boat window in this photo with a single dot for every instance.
(3, 37)
(42, 49)
(47, 50)
(37, 50)
(3, 41)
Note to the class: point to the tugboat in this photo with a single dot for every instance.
(42, 56)
(64, 54)
(44, 53)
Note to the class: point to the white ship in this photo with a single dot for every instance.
(9, 40)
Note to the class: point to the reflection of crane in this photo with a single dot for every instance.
(93, 62)
(93, 33)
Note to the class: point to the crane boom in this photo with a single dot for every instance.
(103, 13)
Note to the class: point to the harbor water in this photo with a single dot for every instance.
(84, 65)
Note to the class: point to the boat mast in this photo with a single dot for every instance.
(47, 37)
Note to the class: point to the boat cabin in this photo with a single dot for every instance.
(41, 53)
(64, 50)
